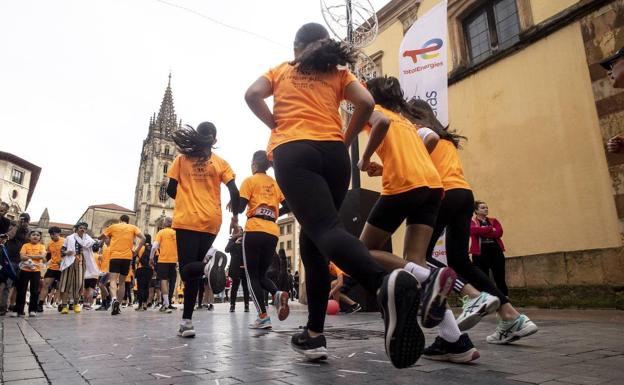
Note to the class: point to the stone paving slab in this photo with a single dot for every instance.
(572, 347)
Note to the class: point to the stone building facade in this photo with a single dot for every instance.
(99, 217)
(151, 202)
(18, 179)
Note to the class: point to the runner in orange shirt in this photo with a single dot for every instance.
(312, 168)
(32, 257)
(262, 197)
(195, 179)
(166, 271)
(53, 273)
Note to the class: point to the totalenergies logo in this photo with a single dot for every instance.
(432, 45)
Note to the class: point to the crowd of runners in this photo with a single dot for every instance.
(423, 185)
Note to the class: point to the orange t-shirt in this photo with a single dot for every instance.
(406, 162)
(168, 246)
(335, 270)
(54, 248)
(306, 105)
(121, 239)
(106, 253)
(446, 161)
(33, 251)
(264, 196)
(198, 199)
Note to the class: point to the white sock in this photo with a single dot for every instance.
(448, 329)
(166, 300)
(421, 273)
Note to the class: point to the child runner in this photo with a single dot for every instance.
(455, 215)
(32, 257)
(195, 179)
(262, 197)
(337, 284)
(103, 281)
(165, 242)
(312, 168)
(53, 273)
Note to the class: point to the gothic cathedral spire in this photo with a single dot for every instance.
(151, 202)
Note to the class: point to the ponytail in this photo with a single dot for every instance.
(318, 52)
(196, 143)
(421, 113)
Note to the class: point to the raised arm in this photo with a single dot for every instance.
(363, 104)
(255, 95)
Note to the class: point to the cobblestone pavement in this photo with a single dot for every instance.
(572, 347)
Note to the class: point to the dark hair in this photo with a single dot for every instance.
(319, 53)
(261, 160)
(148, 239)
(196, 143)
(421, 113)
(54, 230)
(124, 218)
(34, 232)
(83, 224)
(477, 204)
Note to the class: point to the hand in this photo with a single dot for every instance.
(364, 164)
(614, 144)
(234, 225)
(229, 206)
(374, 169)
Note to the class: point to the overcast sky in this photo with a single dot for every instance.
(80, 79)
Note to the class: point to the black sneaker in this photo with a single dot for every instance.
(210, 307)
(313, 348)
(356, 307)
(215, 272)
(40, 308)
(398, 298)
(116, 310)
(71, 307)
(461, 351)
(60, 307)
(171, 307)
(232, 308)
(246, 308)
(433, 300)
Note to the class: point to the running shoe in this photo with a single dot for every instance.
(261, 323)
(356, 307)
(77, 308)
(40, 308)
(246, 308)
(172, 307)
(281, 305)
(16, 314)
(164, 309)
(215, 272)
(474, 309)
(116, 308)
(461, 351)
(186, 331)
(65, 309)
(32, 314)
(313, 349)
(398, 298)
(232, 308)
(433, 300)
(71, 307)
(510, 331)
(140, 308)
(210, 307)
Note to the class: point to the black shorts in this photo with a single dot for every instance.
(418, 207)
(121, 266)
(54, 274)
(90, 283)
(165, 270)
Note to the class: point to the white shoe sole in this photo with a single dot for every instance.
(530, 329)
(187, 334)
(460, 358)
(312, 354)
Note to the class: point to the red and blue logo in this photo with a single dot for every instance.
(432, 45)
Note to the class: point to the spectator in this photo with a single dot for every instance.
(486, 245)
(17, 236)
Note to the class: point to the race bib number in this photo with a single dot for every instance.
(265, 212)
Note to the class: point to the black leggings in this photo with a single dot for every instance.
(454, 216)
(192, 248)
(492, 258)
(237, 273)
(23, 279)
(143, 276)
(258, 251)
(314, 177)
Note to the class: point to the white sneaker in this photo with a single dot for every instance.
(32, 314)
(186, 331)
(474, 309)
(510, 331)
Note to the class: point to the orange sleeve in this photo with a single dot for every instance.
(159, 237)
(174, 170)
(24, 248)
(245, 190)
(346, 78)
(108, 232)
(227, 174)
(270, 75)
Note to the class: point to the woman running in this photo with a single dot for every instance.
(454, 216)
(262, 197)
(312, 169)
(412, 192)
(195, 179)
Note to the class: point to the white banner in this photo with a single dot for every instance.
(439, 251)
(423, 63)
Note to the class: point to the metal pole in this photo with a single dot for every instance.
(355, 148)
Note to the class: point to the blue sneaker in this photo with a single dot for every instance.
(474, 309)
(261, 323)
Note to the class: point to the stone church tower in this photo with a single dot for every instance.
(151, 202)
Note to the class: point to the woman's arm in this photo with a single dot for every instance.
(379, 128)
(363, 103)
(255, 95)
(475, 229)
(497, 229)
(234, 203)
(172, 188)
